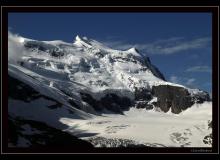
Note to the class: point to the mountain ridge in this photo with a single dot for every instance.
(105, 72)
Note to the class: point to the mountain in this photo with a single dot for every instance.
(54, 82)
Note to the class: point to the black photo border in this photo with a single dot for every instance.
(214, 10)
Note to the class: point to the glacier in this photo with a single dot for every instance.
(93, 92)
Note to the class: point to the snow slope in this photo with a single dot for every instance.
(187, 129)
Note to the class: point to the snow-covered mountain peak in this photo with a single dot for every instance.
(133, 50)
(77, 38)
(99, 69)
(82, 42)
(82, 39)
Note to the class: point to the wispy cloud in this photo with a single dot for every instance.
(173, 45)
(122, 45)
(164, 46)
(174, 79)
(189, 82)
(199, 69)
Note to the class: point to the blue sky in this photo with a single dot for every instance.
(179, 44)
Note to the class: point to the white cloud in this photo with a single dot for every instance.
(164, 46)
(199, 69)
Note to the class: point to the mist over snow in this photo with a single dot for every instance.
(15, 48)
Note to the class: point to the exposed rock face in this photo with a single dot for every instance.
(168, 97)
(40, 46)
(208, 138)
(176, 98)
(200, 98)
(111, 102)
(142, 97)
(144, 104)
(142, 94)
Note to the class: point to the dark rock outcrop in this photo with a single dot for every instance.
(41, 46)
(208, 139)
(200, 98)
(176, 98)
(142, 94)
(111, 102)
(144, 104)
(141, 104)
